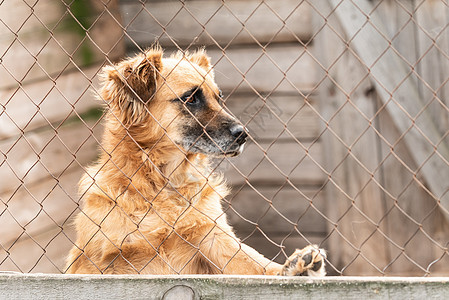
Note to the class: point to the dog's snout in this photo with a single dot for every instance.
(238, 132)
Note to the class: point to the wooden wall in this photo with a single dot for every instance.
(48, 113)
(384, 88)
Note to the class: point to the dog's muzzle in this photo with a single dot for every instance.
(239, 134)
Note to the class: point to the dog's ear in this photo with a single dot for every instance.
(132, 83)
(138, 77)
(201, 58)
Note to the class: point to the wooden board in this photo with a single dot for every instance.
(46, 154)
(38, 104)
(433, 63)
(276, 211)
(266, 119)
(419, 34)
(414, 222)
(45, 253)
(375, 196)
(189, 287)
(245, 22)
(278, 68)
(268, 163)
(400, 95)
(407, 197)
(33, 210)
(350, 146)
(49, 41)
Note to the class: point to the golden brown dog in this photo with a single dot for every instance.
(151, 203)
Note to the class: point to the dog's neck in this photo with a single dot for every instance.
(160, 163)
(147, 173)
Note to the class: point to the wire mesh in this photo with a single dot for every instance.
(345, 104)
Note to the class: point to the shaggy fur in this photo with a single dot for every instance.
(151, 204)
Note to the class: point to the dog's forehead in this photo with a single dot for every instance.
(182, 75)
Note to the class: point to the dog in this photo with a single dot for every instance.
(151, 204)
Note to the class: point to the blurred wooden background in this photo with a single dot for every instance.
(317, 169)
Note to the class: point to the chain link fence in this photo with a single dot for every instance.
(345, 103)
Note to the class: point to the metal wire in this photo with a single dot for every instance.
(356, 204)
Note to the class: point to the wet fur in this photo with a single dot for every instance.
(151, 204)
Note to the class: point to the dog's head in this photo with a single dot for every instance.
(172, 100)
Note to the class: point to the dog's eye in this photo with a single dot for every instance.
(190, 99)
(194, 97)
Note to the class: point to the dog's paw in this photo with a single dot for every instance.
(305, 262)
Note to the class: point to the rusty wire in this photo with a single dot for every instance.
(331, 180)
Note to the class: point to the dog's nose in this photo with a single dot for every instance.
(238, 132)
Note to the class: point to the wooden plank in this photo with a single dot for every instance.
(433, 65)
(38, 104)
(329, 98)
(23, 107)
(38, 207)
(266, 119)
(273, 162)
(412, 220)
(276, 212)
(45, 253)
(399, 26)
(38, 155)
(38, 286)
(50, 41)
(278, 68)
(401, 196)
(355, 203)
(170, 22)
(402, 188)
(389, 75)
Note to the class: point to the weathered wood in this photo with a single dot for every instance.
(401, 197)
(43, 39)
(406, 198)
(355, 203)
(278, 68)
(42, 154)
(32, 210)
(399, 93)
(275, 211)
(412, 216)
(417, 32)
(32, 105)
(432, 56)
(37, 286)
(170, 22)
(267, 119)
(273, 162)
(38, 104)
(46, 252)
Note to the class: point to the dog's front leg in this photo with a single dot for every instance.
(231, 256)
